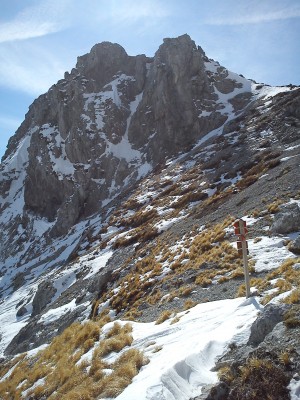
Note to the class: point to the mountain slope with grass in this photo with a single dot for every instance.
(120, 275)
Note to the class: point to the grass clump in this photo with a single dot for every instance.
(292, 317)
(293, 297)
(60, 374)
(175, 320)
(157, 349)
(189, 304)
(260, 378)
(139, 218)
(284, 278)
(225, 374)
(138, 235)
(124, 370)
(247, 181)
(273, 208)
(164, 316)
(203, 281)
(115, 340)
(287, 277)
(257, 378)
(190, 197)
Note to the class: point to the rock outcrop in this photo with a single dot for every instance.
(295, 245)
(287, 219)
(111, 120)
(43, 296)
(265, 323)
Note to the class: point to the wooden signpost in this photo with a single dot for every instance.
(240, 229)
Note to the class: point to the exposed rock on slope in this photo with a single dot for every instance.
(287, 219)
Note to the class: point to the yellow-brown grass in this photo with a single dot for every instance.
(285, 277)
(142, 283)
(58, 365)
(163, 317)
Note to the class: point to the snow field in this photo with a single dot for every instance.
(188, 348)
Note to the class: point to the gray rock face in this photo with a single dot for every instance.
(287, 220)
(35, 333)
(95, 133)
(295, 245)
(177, 90)
(109, 121)
(43, 296)
(265, 323)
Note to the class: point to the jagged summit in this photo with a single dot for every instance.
(110, 121)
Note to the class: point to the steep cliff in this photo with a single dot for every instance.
(105, 125)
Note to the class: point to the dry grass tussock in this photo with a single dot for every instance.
(264, 161)
(206, 252)
(139, 218)
(273, 207)
(141, 234)
(292, 317)
(285, 278)
(259, 378)
(60, 367)
(164, 316)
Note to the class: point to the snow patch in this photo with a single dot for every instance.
(269, 252)
(294, 387)
(55, 313)
(178, 372)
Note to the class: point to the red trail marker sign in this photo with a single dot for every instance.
(240, 229)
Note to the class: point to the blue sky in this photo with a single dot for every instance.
(41, 39)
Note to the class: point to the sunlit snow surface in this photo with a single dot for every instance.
(294, 387)
(269, 252)
(189, 349)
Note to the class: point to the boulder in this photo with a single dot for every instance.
(265, 323)
(287, 220)
(43, 297)
(21, 311)
(100, 281)
(295, 245)
(219, 391)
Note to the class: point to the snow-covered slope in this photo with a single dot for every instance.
(188, 348)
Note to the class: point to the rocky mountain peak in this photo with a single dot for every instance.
(181, 52)
(110, 121)
(104, 54)
(102, 63)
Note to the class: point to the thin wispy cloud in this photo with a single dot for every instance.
(261, 16)
(133, 11)
(9, 122)
(34, 21)
(29, 68)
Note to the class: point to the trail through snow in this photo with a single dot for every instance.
(188, 349)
